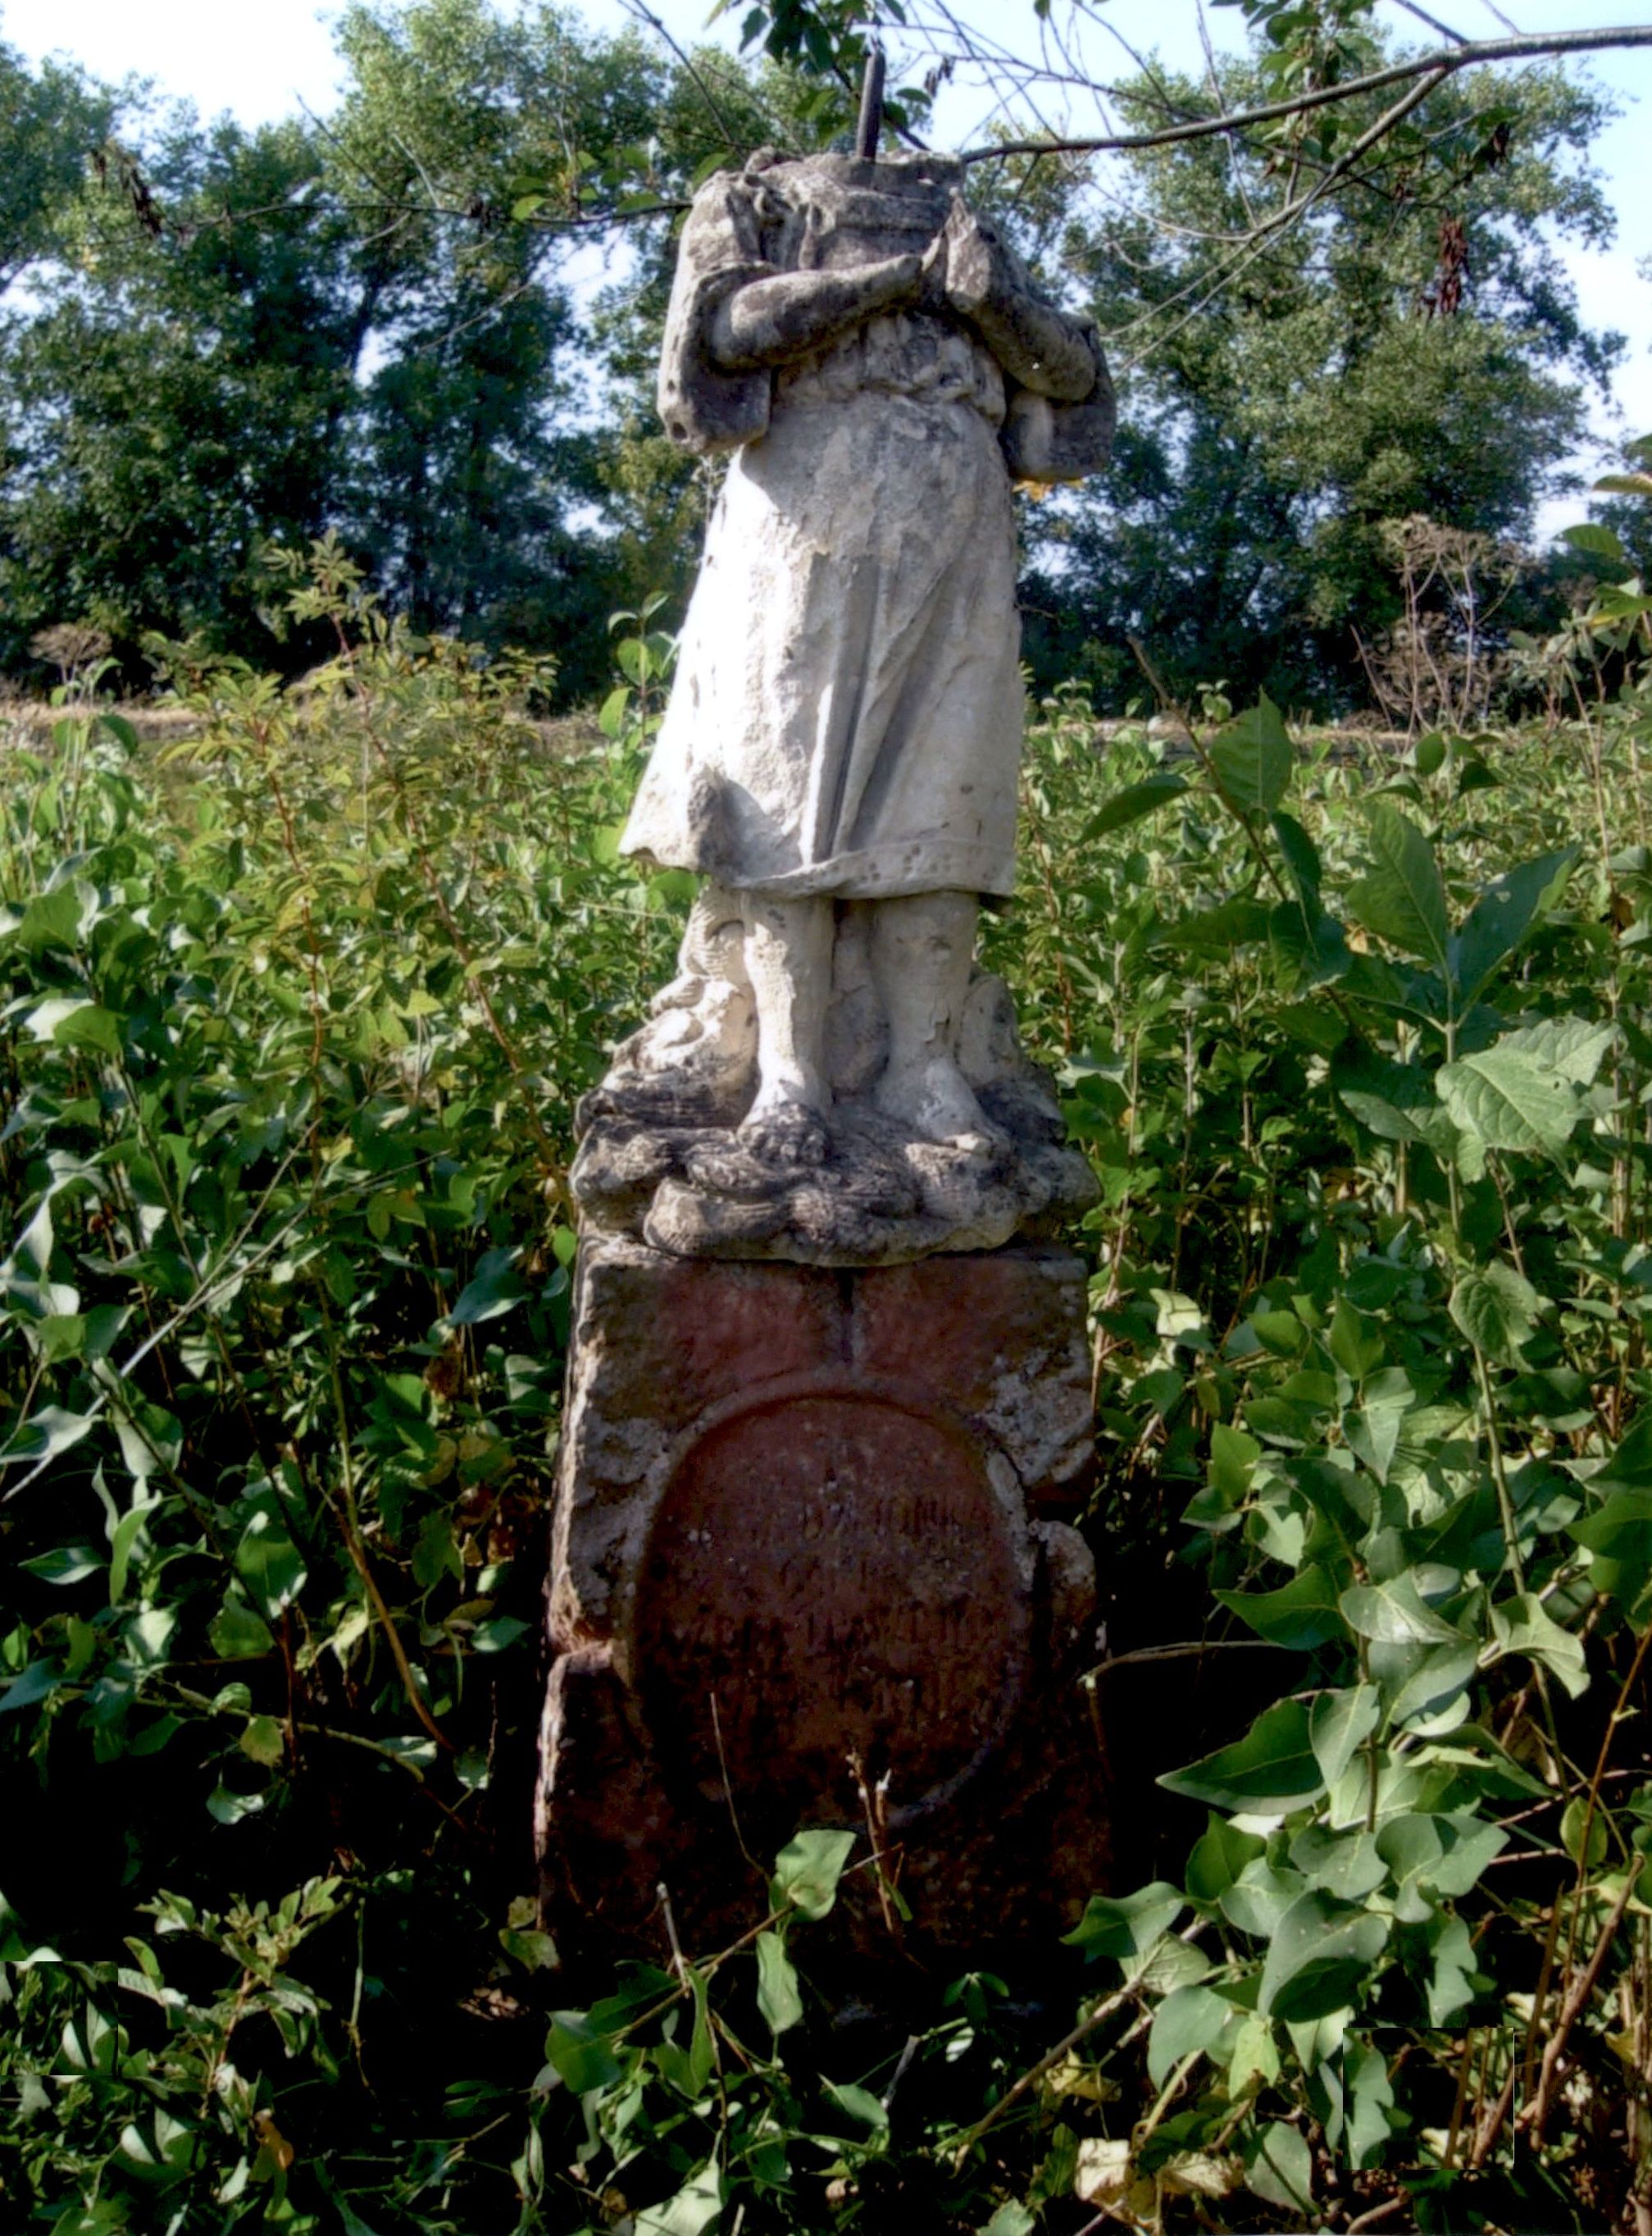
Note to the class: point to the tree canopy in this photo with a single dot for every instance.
(427, 323)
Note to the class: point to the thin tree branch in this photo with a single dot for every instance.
(639, 8)
(1532, 48)
(1457, 38)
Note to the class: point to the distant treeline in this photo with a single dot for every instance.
(428, 321)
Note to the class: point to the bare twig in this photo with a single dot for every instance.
(1457, 38)
(645, 14)
(1537, 2113)
(1534, 47)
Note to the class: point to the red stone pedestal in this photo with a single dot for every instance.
(808, 1539)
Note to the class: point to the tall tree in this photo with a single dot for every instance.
(179, 393)
(50, 119)
(1413, 347)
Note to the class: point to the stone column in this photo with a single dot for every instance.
(810, 1563)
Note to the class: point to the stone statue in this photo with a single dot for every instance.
(813, 1537)
(829, 1078)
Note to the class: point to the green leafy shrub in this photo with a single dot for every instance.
(293, 1019)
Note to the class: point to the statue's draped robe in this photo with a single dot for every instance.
(848, 712)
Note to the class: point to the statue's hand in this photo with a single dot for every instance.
(974, 261)
(931, 293)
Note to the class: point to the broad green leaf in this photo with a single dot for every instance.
(38, 1680)
(1253, 756)
(1219, 931)
(496, 1286)
(1281, 1332)
(47, 1431)
(1402, 898)
(611, 720)
(1373, 1429)
(73, 1020)
(237, 1634)
(228, 1808)
(118, 727)
(267, 1561)
(65, 1564)
(1126, 1925)
(150, 1438)
(124, 1543)
(1010, 2219)
(1569, 1047)
(1232, 1463)
(1253, 2054)
(1411, 1845)
(583, 2057)
(1439, 1678)
(1497, 1309)
(1452, 1981)
(262, 1741)
(1219, 1856)
(1507, 1100)
(1134, 802)
(1631, 1459)
(1279, 2167)
(1395, 1613)
(534, 1951)
(1619, 1538)
(1345, 1865)
(1369, 2095)
(1468, 1846)
(1301, 1615)
(807, 1869)
(1505, 913)
(1593, 536)
(1523, 1625)
(436, 1552)
(859, 2103)
(59, 919)
(498, 1632)
(688, 2070)
(1271, 1770)
(690, 2212)
(777, 1989)
(1190, 2019)
(1320, 1955)
(1301, 859)
(1259, 1898)
(1339, 1726)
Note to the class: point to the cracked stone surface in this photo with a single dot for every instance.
(833, 1524)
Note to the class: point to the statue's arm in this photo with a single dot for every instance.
(1040, 347)
(776, 320)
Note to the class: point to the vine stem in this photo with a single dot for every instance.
(1537, 2113)
(1051, 2058)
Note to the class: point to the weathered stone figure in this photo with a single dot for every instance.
(813, 1558)
(839, 755)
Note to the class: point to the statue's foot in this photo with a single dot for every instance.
(934, 1101)
(785, 1126)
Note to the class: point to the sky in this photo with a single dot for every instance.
(262, 59)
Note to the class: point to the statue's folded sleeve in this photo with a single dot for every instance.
(1046, 442)
(705, 409)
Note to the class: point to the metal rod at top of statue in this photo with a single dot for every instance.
(870, 129)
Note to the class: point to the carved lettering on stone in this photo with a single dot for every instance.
(837, 1572)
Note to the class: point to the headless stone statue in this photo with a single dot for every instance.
(812, 1538)
(829, 1078)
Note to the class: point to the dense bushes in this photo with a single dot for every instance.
(293, 1024)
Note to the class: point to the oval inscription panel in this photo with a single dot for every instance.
(835, 1572)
